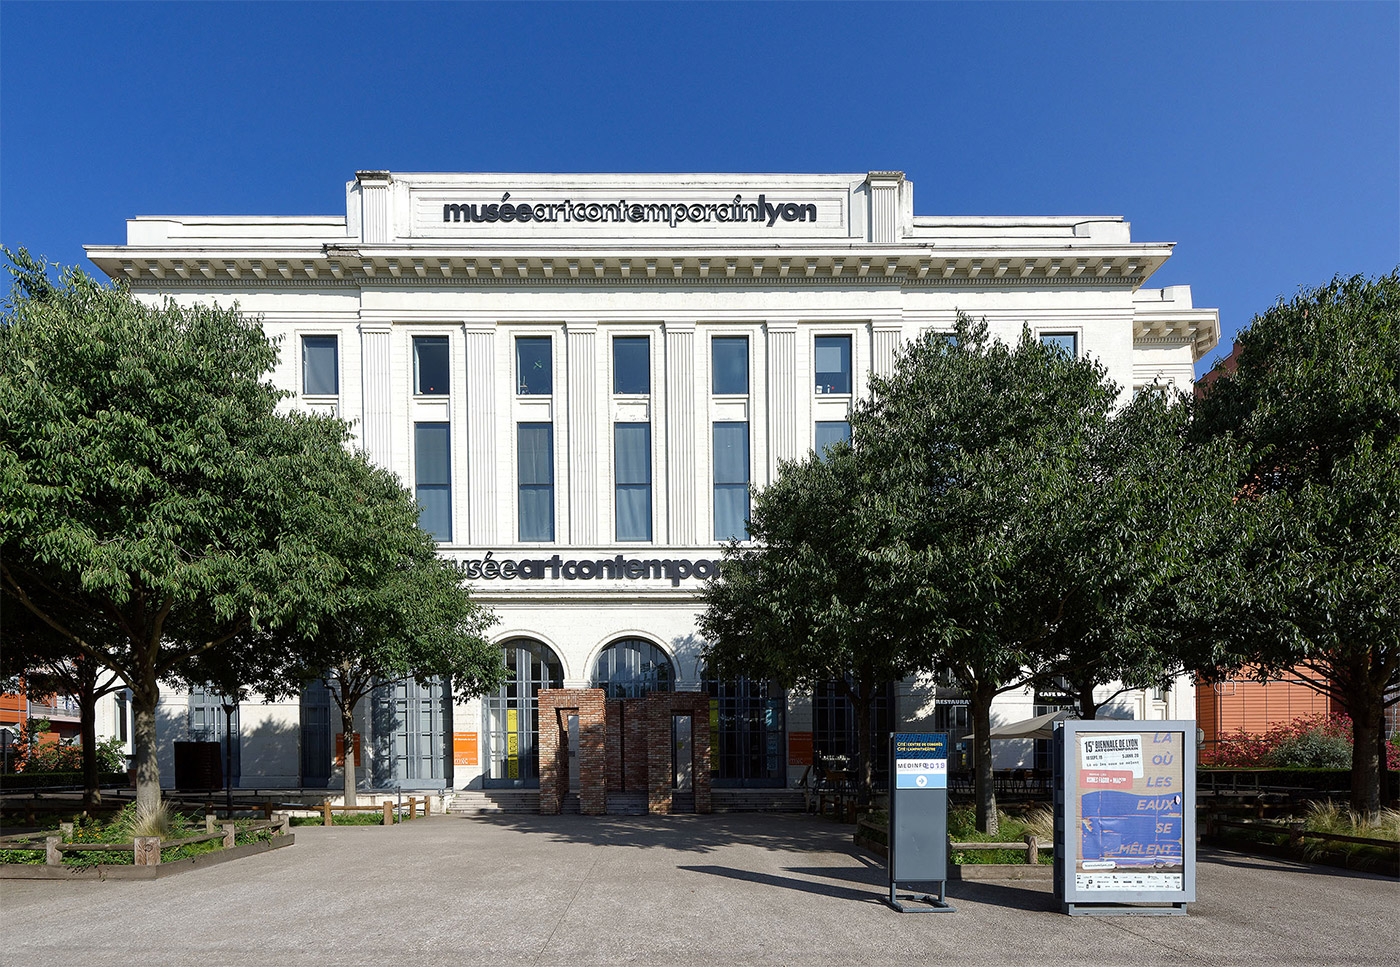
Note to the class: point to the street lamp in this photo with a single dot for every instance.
(230, 706)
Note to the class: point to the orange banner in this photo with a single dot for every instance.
(340, 749)
(799, 748)
(464, 747)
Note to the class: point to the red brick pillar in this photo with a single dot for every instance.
(700, 752)
(554, 750)
(592, 752)
(658, 746)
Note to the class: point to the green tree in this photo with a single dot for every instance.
(1045, 526)
(150, 489)
(1315, 400)
(817, 596)
(398, 612)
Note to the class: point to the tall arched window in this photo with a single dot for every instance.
(630, 667)
(513, 715)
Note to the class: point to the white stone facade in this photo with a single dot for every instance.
(680, 259)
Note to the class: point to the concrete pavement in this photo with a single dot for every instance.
(678, 890)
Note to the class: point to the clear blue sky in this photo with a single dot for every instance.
(1263, 138)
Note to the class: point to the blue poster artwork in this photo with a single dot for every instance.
(1130, 829)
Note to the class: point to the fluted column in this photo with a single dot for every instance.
(481, 435)
(681, 444)
(584, 471)
(376, 421)
(787, 406)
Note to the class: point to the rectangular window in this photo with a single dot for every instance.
(730, 365)
(632, 365)
(832, 431)
(534, 368)
(430, 365)
(1067, 342)
(320, 368)
(632, 462)
(833, 364)
(536, 465)
(432, 462)
(731, 481)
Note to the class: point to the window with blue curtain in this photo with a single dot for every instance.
(833, 364)
(1066, 342)
(632, 463)
(631, 365)
(534, 366)
(320, 369)
(729, 365)
(535, 452)
(430, 365)
(432, 462)
(832, 431)
(731, 459)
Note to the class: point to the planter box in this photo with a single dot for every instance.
(25, 871)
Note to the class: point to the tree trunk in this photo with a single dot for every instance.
(865, 759)
(143, 712)
(981, 700)
(1382, 758)
(347, 729)
(1088, 711)
(87, 717)
(1366, 721)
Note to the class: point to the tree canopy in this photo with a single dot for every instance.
(1315, 401)
(149, 487)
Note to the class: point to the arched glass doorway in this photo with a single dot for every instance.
(631, 667)
(513, 714)
(746, 732)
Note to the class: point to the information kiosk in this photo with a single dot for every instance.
(919, 818)
(1125, 817)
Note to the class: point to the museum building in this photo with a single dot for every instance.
(580, 377)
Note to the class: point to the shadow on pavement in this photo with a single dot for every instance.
(686, 833)
(1249, 861)
(870, 894)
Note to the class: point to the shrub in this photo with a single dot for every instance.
(1317, 741)
(1315, 749)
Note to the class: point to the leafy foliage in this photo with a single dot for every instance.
(1316, 401)
(155, 507)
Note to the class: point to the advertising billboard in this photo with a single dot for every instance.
(1125, 816)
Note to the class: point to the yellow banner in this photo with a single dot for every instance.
(512, 744)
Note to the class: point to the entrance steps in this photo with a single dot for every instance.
(627, 804)
(475, 801)
(757, 800)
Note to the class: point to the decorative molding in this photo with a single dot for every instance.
(583, 281)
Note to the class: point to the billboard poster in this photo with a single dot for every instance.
(1129, 810)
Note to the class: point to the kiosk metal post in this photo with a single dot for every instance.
(919, 818)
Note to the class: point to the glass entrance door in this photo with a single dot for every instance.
(746, 732)
(512, 714)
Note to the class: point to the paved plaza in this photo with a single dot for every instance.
(679, 890)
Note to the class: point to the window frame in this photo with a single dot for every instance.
(536, 337)
(1075, 334)
(728, 485)
(418, 485)
(850, 363)
(748, 365)
(413, 342)
(302, 368)
(521, 488)
(619, 486)
(614, 341)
